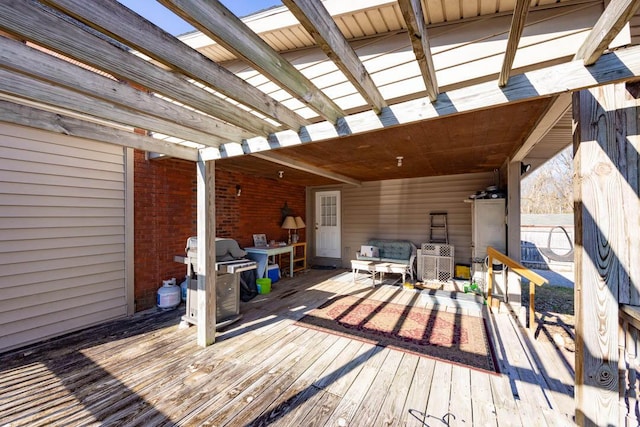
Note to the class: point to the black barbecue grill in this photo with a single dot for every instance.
(230, 263)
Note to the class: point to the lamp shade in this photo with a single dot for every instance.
(289, 223)
(299, 222)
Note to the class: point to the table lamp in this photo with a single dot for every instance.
(290, 224)
(299, 224)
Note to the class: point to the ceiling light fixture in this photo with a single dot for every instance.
(399, 158)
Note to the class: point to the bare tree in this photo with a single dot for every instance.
(549, 189)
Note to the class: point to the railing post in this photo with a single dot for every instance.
(629, 382)
(490, 283)
(534, 279)
(532, 305)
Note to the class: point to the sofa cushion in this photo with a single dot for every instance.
(392, 250)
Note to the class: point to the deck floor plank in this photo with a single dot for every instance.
(506, 407)
(438, 404)
(369, 408)
(415, 407)
(267, 370)
(209, 371)
(255, 396)
(460, 402)
(294, 396)
(526, 378)
(391, 410)
(344, 413)
(322, 406)
(256, 371)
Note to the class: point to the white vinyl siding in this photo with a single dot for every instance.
(62, 234)
(399, 209)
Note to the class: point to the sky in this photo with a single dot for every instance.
(162, 17)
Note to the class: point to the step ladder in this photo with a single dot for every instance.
(438, 232)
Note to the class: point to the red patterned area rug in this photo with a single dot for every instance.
(431, 333)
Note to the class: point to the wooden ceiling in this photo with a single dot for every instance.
(478, 141)
(454, 89)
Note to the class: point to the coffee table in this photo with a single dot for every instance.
(368, 266)
(388, 267)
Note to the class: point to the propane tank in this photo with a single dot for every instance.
(183, 288)
(168, 295)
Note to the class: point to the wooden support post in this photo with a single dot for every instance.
(129, 236)
(513, 289)
(607, 218)
(206, 315)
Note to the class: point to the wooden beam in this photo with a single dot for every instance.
(33, 22)
(514, 281)
(417, 29)
(21, 86)
(606, 219)
(112, 18)
(129, 237)
(217, 22)
(554, 112)
(515, 32)
(280, 159)
(621, 65)
(206, 269)
(11, 112)
(611, 22)
(617, 14)
(315, 18)
(168, 118)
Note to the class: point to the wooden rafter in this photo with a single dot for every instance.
(28, 20)
(614, 18)
(128, 27)
(217, 22)
(515, 32)
(275, 157)
(417, 29)
(604, 31)
(621, 65)
(24, 87)
(315, 18)
(556, 109)
(23, 115)
(61, 81)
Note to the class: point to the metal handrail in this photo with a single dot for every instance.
(534, 279)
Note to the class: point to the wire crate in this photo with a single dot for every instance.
(437, 249)
(436, 262)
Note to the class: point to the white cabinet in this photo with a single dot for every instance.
(488, 228)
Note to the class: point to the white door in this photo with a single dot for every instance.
(327, 222)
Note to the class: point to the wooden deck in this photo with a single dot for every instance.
(265, 370)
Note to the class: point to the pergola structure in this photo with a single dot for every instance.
(240, 98)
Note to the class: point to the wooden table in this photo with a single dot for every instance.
(389, 267)
(261, 256)
(368, 266)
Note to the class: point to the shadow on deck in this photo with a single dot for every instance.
(266, 370)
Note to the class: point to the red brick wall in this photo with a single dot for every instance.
(258, 210)
(165, 216)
